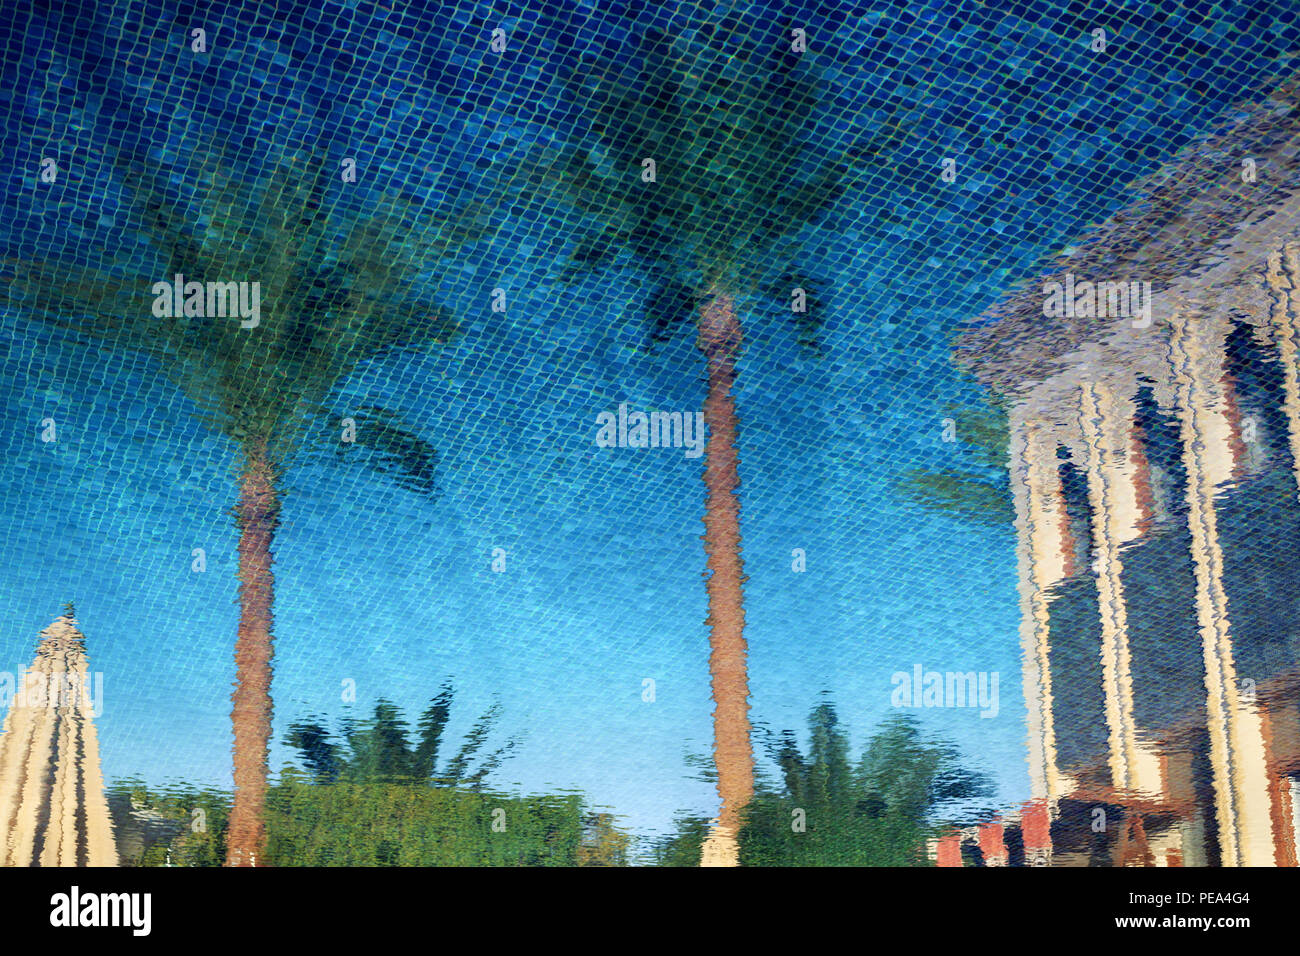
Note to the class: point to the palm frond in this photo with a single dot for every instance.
(342, 281)
(726, 118)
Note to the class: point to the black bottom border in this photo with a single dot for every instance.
(380, 906)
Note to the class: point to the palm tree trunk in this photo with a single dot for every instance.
(719, 340)
(257, 516)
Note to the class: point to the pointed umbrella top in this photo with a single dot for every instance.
(64, 628)
(52, 806)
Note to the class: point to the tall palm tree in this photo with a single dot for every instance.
(698, 163)
(341, 283)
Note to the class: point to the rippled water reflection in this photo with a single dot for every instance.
(993, 323)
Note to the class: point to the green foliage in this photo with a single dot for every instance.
(683, 846)
(980, 491)
(310, 823)
(375, 799)
(390, 448)
(603, 843)
(878, 813)
(342, 281)
(378, 749)
(313, 823)
(180, 825)
(726, 116)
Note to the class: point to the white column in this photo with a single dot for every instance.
(1242, 801)
(1044, 556)
(1283, 278)
(1106, 423)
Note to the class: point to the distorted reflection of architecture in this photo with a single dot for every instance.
(1155, 466)
(53, 811)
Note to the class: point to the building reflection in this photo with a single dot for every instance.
(1155, 467)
